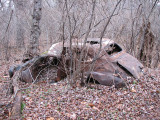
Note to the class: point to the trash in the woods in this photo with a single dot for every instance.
(109, 65)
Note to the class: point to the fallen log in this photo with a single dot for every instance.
(16, 109)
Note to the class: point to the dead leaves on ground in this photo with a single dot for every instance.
(61, 101)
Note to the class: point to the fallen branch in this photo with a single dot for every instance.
(34, 68)
(16, 110)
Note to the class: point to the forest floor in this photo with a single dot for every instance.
(139, 101)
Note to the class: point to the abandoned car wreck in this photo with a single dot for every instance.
(108, 65)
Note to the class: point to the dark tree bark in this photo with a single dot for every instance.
(147, 44)
(33, 48)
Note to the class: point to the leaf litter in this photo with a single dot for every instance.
(140, 100)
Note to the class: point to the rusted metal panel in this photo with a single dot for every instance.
(129, 62)
(108, 79)
(107, 73)
(117, 54)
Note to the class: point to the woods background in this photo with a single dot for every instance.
(135, 24)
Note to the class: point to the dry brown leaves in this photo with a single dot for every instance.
(140, 100)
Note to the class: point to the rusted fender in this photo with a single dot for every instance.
(108, 79)
(129, 62)
(105, 71)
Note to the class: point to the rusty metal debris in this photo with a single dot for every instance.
(109, 66)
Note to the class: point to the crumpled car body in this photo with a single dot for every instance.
(126, 61)
(111, 66)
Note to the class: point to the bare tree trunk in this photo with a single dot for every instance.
(33, 48)
(20, 6)
(6, 39)
(20, 35)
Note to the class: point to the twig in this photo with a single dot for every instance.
(107, 23)
(8, 23)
